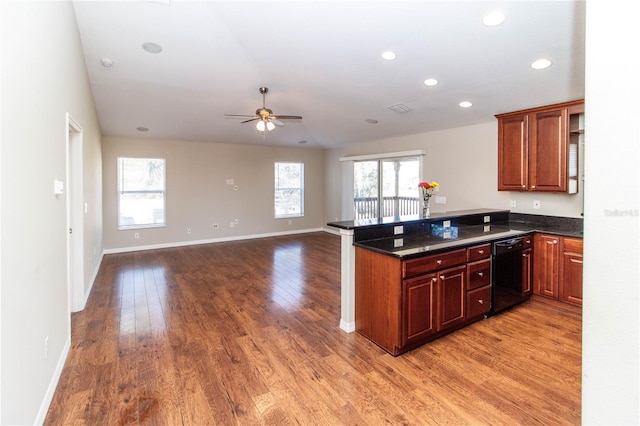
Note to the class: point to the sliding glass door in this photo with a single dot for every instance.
(386, 187)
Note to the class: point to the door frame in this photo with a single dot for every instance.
(75, 215)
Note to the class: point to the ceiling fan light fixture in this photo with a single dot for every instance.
(270, 126)
(260, 126)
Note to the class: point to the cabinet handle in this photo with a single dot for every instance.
(433, 280)
(438, 261)
(480, 274)
(480, 301)
(480, 251)
(533, 187)
(555, 241)
(524, 186)
(442, 277)
(528, 241)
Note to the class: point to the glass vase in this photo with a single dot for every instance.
(425, 209)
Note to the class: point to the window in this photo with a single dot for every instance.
(289, 190)
(386, 187)
(141, 192)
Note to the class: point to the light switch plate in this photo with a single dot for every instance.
(487, 219)
(446, 223)
(398, 242)
(398, 230)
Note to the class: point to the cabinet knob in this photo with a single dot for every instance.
(480, 251)
(442, 277)
(433, 280)
(533, 186)
(524, 186)
(438, 261)
(480, 301)
(555, 241)
(480, 274)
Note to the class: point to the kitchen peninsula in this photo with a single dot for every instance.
(408, 280)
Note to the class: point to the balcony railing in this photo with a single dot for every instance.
(367, 207)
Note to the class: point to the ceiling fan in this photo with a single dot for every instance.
(265, 117)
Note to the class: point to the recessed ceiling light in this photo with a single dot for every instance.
(465, 104)
(493, 19)
(541, 64)
(371, 121)
(152, 47)
(388, 55)
(431, 82)
(142, 129)
(106, 62)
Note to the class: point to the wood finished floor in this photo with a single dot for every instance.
(247, 333)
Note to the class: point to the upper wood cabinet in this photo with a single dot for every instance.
(538, 148)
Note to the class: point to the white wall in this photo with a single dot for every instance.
(43, 78)
(464, 161)
(198, 195)
(611, 320)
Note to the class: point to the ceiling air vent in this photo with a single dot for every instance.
(399, 108)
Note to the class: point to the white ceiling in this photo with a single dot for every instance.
(321, 60)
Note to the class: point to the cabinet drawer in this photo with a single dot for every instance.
(478, 301)
(434, 262)
(573, 245)
(527, 241)
(478, 252)
(478, 274)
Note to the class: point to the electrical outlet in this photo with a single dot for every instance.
(440, 199)
(216, 226)
(136, 235)
(232, 224)
(512, 204)
(235, 221)
(536, 204)
(188, 230)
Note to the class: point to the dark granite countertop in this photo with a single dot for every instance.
(413, 245)
(391, 220)
(412, 236)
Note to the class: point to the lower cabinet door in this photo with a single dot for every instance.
(418, 297)
(451, 297)
(478, 301)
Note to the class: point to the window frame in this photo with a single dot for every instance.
(277, 188)
(120, 192)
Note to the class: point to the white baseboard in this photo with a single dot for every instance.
(93, 280)
(349, 327)
(209, 241)
(53, 384)
(331, 230)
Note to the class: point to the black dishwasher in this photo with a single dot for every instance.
(507, 289)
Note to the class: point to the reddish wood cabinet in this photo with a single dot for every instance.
(571, 288)
(401, 304)
(535, 150)
(558, 267)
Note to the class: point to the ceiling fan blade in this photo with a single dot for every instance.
(239, 115)
(277, 122)
(250, 120)
(286, 117)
